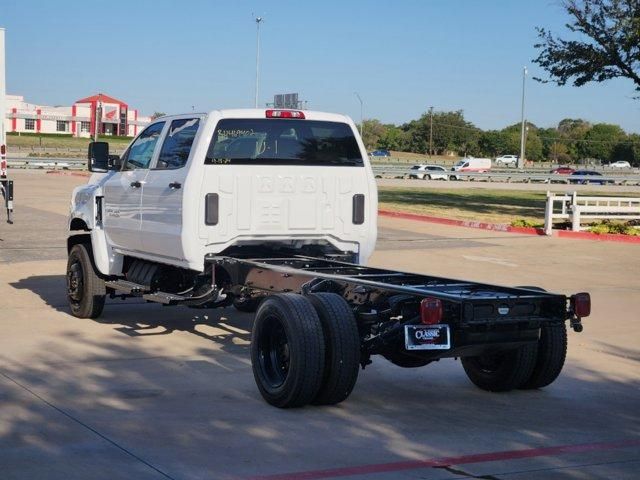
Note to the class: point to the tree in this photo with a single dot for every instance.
(572, 132)
(451, 132)
(533, 145)
(157, 115)
(628, 149)
(599, 142)
(492, 143)
(372, 133)
(394, 139)
(609, 48)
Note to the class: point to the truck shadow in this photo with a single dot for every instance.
(137, 318)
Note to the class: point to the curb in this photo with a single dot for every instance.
(500, 227)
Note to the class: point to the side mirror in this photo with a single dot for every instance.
(98, 157)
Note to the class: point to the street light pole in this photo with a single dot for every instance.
(258, 21)
(361, 113)
(522, 128)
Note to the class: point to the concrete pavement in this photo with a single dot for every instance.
(152, 392)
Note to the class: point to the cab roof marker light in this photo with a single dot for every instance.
(285, 114)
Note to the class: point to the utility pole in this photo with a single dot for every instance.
(258, 21)
(98, 120)
(361, 113)
(430, 131)
(523, 127)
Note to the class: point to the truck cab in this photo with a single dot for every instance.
(196, 185)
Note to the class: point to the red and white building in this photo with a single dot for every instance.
(77, 120)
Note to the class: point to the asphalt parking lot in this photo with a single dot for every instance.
(147, 392)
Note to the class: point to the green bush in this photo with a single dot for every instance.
(609, 226)
(521, 222)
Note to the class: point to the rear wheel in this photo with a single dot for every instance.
(552, 352)
(342, 348)
(287, 350)
(501, 371)
(85, 289)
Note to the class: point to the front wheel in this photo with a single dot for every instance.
(287, 350)
(501, 371)
(86, 291)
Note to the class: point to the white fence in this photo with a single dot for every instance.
(584, 209)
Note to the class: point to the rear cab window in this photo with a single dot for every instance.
(283, 142)
(177, 144)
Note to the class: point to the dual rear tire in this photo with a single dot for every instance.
(528, 367)
(305, 349)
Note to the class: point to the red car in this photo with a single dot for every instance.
(563, 171)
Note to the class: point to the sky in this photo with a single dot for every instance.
(400, 56)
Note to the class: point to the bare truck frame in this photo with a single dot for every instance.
(320, 319)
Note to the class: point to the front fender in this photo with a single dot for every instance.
(83, 205)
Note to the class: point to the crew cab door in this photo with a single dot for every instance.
(123, 191)
(163, 190)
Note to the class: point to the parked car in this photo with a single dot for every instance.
(428, 172)
(507, 160)
(563, 171)
(380, 153)
(587, 181)
(620, 164)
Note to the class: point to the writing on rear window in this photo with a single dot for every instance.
(283, 142)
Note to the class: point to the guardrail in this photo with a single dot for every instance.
(45, 162)
(515, 176)
(577, 209)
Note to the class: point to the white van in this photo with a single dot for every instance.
(471, 165)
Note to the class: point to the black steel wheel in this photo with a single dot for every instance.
(342, 348)
(287, 350)
(85, 289)
(552, 352)
(247, 304)
(501, 371)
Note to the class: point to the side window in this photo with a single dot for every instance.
(140, 153)
(177, 144)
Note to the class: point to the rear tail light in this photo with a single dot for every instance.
(285, 114)
(581, 304)
(3, 149)
(430, 311)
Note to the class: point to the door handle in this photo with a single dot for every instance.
(175, 185)
(136, 184)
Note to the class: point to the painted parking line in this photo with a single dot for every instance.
(448, 461)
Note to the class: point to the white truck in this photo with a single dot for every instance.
(275, 211)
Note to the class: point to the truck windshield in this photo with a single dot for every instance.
(283, 142)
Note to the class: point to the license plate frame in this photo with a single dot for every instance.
(434, 337)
